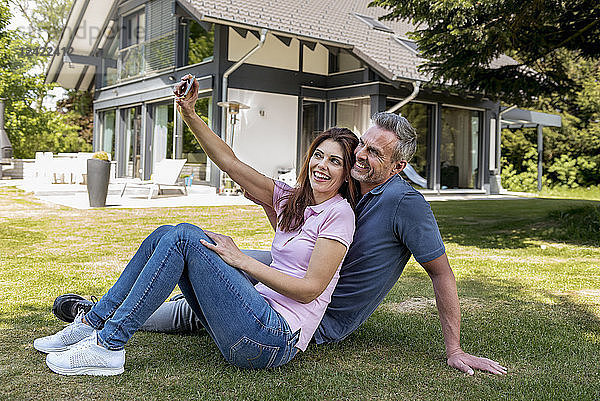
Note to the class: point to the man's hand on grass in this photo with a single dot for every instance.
(467, 363)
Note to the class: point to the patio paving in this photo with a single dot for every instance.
(75, 196)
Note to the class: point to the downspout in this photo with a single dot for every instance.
(416, 87)
(226, 74)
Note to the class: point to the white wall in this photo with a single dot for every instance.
(266, 142)
(272, 54)
(316, 61)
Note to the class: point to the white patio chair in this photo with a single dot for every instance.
(166, 174)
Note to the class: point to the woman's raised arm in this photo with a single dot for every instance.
(259, 185)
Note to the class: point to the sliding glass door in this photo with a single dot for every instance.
(459, 154)
(133, 142)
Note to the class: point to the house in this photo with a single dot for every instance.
(296, 68)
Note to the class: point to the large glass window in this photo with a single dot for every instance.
(162, 134)
(419, 115)
(161, 35)
(134, 28)
(165, 146)
(148, 38)
(459, 156)
(111, 55)
(353, 114)
(133, 33)
(197, 162)
(313, 122)
(201, 43)
(107, 141)
(133, 142)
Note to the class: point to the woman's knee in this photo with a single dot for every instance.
(188, 231)
(162, 230)
(153, 239)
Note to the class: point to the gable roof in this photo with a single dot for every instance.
(329, 21)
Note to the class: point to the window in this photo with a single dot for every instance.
(408, 44)
(197, 162)
(419, 115)
(201, 43)
(107, 134)
(313, 123)
(353, 114)
(133, 142)
(166, 145)
(373, 23)
(459, 154)
(110, 55)
(131, 58)
(161, 35)
(148, 38)
(340, 60)
(134, 28)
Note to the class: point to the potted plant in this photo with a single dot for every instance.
(98, 175)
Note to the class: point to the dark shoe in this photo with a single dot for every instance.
(67, 306)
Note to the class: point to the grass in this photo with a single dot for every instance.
(529, 288)
(590, 193)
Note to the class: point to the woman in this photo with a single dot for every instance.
(258, 326)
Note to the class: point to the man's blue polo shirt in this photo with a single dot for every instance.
(393, 221)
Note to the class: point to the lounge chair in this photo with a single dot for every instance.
(166, 174)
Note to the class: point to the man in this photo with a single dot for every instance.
(393, 222)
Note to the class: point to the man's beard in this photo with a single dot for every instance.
(368, 178)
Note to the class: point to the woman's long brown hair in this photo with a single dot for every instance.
(292, 214)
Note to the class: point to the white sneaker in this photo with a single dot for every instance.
(72, 334)
(87, 358)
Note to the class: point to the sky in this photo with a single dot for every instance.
(19, 22)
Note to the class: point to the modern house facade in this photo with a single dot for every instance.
(297, 67)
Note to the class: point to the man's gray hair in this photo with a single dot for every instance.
(404, 131)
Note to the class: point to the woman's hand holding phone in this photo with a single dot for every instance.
(186, 94)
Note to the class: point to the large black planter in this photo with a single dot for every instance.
(98, 175)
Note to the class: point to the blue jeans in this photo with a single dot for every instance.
(247, 330)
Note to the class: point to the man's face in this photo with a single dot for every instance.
(374, 164)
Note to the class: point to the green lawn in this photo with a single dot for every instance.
(528, 278)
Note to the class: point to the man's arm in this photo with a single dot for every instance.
(446, 298)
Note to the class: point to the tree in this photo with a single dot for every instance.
(4, 18)
(572, 152)
(78, 109)
(462, 39)
(46, 19)
(30, 127)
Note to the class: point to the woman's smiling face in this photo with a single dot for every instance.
(326, 169)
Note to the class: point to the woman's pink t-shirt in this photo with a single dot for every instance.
(291, 252)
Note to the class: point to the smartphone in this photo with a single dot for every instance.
(182, 89)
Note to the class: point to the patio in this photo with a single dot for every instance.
(76, 196)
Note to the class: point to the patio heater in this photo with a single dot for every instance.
(227, 186)
(6, 150)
